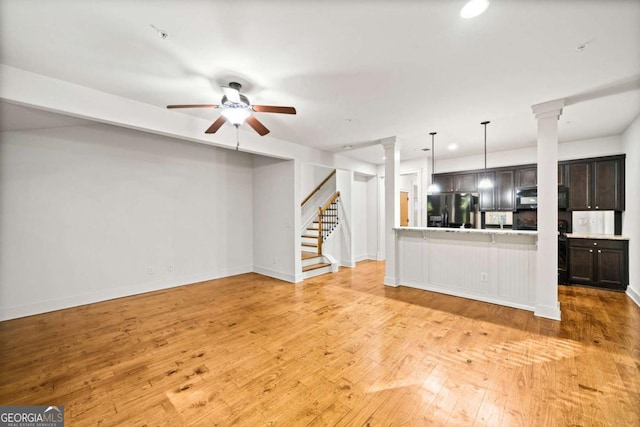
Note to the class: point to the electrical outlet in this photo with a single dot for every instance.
(150, 270)
(275, 260)
(483, 277)
(169, 267)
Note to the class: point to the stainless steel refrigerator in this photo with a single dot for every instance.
(452, 210)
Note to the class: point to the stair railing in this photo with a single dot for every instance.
(315, 190)
(327, 219)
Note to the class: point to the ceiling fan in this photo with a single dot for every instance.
(237, 109)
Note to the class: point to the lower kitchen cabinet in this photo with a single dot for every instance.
(599, 262)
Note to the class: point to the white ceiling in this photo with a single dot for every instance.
(356, 70)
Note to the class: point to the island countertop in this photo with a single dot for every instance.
(471, 230)
(596, 236)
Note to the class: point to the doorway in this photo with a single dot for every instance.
(404, 209)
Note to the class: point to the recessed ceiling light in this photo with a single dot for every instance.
(453, 146)
(426, 149)
(474, 8)
(347, 147)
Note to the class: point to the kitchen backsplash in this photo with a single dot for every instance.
(593, 222)
(495, 218)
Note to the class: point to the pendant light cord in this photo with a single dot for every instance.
(238, 138)
(433, 157)
(485, 147)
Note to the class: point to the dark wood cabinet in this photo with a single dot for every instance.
(579, 186)
(445, 182)
(466, 182)
(562, 175)
(597, 184)
(487, 200)
(527, 177)
(608, 188)
(599, 262)
(459, 182)
(504, 191)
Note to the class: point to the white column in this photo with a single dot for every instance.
(547, 304)
(391, 207)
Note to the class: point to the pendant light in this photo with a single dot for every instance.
(485, 182)
(433, 187)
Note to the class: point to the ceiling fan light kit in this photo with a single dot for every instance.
(236, 115)
(485, 182)
(237, 109)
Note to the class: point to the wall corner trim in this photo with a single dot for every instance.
(548, 312)
(634, 295)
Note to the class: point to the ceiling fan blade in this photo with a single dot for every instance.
(216, 125)
(273, 109)
(232, 94)
(257, 126)
(193, 106)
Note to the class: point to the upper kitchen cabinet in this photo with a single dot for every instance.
(501, 197)
(444, 182)
(466, 182)
(597, 184)
(562, 175)
(487, 196)
(458, 182)
(527, 176)
(504, 191)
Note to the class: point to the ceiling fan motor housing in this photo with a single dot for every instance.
(244, 101)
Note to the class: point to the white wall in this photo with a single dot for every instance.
(97, 212)
(311, 175)
(566, 151)
(275, 211)
(630, 218)
(361, 216)
(374, 211)
(344, 238)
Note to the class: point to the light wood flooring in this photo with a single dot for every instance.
(338, 349)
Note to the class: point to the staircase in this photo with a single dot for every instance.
(325, 221)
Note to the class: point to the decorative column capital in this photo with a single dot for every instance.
(390, 142)
(548, 109)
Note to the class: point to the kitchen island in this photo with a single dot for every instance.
(491, 265)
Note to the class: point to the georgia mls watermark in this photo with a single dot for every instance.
(31, 416)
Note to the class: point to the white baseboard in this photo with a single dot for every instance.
(275, 274)
(634, 295)
(366, 257)
(548, 312)
(390, 281)
(468, 295)
(349, 264)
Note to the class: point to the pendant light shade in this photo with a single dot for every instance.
(433, 187)
(485, 182)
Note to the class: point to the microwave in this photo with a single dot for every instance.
(527, 198)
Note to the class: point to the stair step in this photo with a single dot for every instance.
(308, 255)
(311, 245)
(310, 236)
(315, 266)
